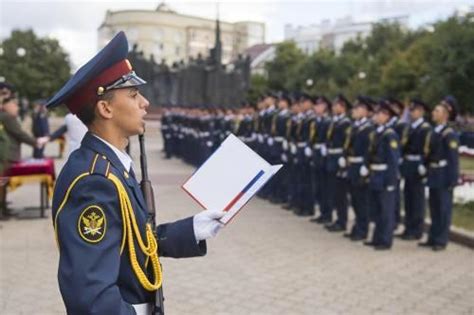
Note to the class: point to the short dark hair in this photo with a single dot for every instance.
(9, 99)
(87, 113)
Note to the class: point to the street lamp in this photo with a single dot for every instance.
(362, 75)
(309, 82)
(21, 52)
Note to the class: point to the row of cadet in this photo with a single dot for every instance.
(337, 153)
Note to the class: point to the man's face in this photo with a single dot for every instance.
(381, 117)
(358, 112)
(11, 107)
(282, 104)
(439, 114)
(416, 113)
(320, 108)
(129, 110)
(338, 108)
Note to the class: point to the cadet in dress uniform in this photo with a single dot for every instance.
(291, 153)
(336, 182)
(318, 137)
(108, 254)
(402, 128)
(166, 131)
(304, 193)
(413, 171)
(358, 171)
(280, 129)
(443, 173)
(383, 166)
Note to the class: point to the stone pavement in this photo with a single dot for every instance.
(267, 261)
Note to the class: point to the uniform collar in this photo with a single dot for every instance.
(392, 121)
(123, 157)
(361, 121)
(283, 112)
(336, 118)
(417, 123)
(438, 128)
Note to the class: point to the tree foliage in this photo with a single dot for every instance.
(37, 67)
(391, 61)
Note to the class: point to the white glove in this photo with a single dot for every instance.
(260, 138)
(41, 141)
(293, 148)
(206, 224)
(270, 141)
(364, 171)
(308, 152)
(324, 150)
(284, 158)
(342, 162)
(285, 145)
(421, 170)
(209, 143)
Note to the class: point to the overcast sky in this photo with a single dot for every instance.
(75, 23)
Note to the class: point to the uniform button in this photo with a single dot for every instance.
(125, 174)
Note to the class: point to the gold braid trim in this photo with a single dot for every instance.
(132, 231)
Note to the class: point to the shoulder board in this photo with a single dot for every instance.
(100, 165)
(388, 131)
(425, 125)
(447, 131)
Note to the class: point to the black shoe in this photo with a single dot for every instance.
(357, 238)
(322, 220)
(382, 247)
(400, 235)
(304, 214)
(438, 248)
(370, 243)
(426, 244)
(287, 207)
(348, 235)
(410, 237)
(336, 227)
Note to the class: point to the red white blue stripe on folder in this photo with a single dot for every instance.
(246, 188)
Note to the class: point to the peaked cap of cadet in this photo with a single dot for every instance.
(108, 70)
(417, 102)
(451, 105)
(340, 98)
(366, 101)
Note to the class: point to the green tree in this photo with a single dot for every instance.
(37, 67)
(283, 70)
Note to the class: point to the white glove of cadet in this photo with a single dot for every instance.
(206, 224)
(364, 171)
(308, 152)
(421, 170)
(270, 141)
(324, 150)
(342, 162)
(285, 145)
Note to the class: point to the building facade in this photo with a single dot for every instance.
(166, 34)
(333, 35)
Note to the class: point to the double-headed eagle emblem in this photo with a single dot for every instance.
(92, 224)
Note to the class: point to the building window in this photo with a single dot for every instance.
(162, 46)
(176, 50)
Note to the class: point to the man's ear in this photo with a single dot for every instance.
(104, 109)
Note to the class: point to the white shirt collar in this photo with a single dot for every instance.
(124, 158)
(361, 121)
(417, 122)
(439, 128)
(393, 121)
(338, 117)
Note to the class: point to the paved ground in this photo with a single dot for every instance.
(266, 262)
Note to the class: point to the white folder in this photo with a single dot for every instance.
(229, 178)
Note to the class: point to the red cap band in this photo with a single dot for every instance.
(88, 93)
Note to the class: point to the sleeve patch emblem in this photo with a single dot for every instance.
(393, 144)
(92, 224)
(453, 144)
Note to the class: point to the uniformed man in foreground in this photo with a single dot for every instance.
(108, 254)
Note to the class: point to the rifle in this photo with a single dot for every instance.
(147, 190)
